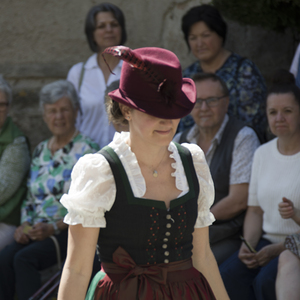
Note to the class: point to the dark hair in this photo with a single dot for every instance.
(283, 82)
(90, 25)
(213, 77)
(207, 14)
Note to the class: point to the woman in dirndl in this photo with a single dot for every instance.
(143, 199)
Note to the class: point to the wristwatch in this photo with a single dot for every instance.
(56, 230)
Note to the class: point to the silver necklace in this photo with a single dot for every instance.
(155, 173)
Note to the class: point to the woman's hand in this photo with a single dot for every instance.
(19, 235)
(252, 233)
(267, 253)
(262, 257)
(288, 211)
(40, 231)
(286, 208)
(247, 257)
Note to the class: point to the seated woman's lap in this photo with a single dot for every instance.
(22, 263)
(42, 252)
(6, 234)
(240, 281)
(263, 286)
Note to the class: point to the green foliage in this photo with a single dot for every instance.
(273, 14)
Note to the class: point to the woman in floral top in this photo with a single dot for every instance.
(205, 34)
(50, 175)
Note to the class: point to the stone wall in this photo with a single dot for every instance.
(41, 40)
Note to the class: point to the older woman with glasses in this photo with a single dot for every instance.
(14, 165)
(42, 214)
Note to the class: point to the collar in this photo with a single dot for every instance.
(92, 63)
(194, 132)
(219, 134)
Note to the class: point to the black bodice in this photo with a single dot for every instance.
(149, 232)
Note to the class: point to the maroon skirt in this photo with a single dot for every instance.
(125, 280)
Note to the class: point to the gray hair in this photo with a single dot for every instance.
(56, 90)
(6, 89)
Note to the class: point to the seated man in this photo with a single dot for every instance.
(229, 146)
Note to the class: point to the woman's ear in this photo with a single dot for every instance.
(126, 111)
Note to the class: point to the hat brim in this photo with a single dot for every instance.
(177, 109)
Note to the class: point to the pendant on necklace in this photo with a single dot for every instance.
(155, 174)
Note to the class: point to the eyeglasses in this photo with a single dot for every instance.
(3, 106)
(210, 102)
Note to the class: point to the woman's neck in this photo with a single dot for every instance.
(214, 64)
(110, 61)
(59, 141)
(148, 155)
(289, 145)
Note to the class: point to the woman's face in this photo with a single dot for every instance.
(108, 31)
(283, 114)
(60, 117)
(151, 130)
(3, 109)
(205, 44)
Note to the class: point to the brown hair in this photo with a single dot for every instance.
(114, 112)
(113, 109)
(90, 25)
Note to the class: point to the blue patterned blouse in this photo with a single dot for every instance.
(247, 90)
(50, 178)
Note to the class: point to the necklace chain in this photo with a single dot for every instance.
(155, 173)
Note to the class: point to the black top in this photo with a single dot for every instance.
(145, 228)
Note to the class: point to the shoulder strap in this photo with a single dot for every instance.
(117, 170)
(81, 77)
(188, 165)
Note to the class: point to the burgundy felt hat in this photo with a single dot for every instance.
(151, 82)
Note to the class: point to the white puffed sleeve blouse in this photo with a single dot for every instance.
(93, 188)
